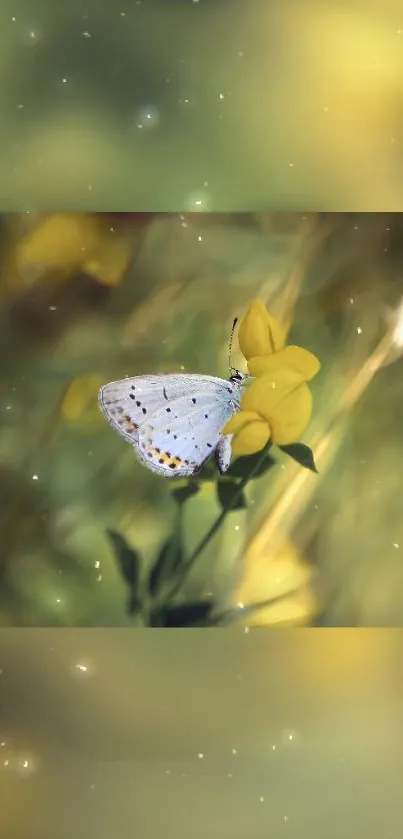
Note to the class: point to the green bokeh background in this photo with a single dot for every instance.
(251, 105)
(293, 733)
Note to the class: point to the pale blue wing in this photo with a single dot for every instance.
(183, 434)
(128, 403)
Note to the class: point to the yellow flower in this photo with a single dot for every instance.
(276, 406)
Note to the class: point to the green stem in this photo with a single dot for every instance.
(215, 527)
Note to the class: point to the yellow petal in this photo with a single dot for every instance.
(251, 438)
(259, 333)
(291, 416)
(284, 400)
(297, 358)
(266, 392)
(238, 421)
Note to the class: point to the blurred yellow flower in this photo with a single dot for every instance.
(277, 406)
(66, 243)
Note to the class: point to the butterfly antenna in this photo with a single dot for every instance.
(231, 340)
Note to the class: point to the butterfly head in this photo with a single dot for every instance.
(236, 376)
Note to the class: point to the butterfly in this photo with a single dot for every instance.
(174, 421)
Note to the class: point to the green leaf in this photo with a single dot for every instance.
(229, 495)
(168, 561)
(181, 494)
(302, 454)
(243, 466)
(187, 614)
(128, 560)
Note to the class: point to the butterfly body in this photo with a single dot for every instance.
(174, 421)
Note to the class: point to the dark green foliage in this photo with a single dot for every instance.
(196, 613)
(243, 466)
(181, 494)
(302, 454)
(167, 563)
(128, 560)
(230, 496)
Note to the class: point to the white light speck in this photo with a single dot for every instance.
(3, 743)
(291, 165)
(8, 407)
(82, 668)
(222, 96)
(351, 300)
(87, 34)
(395, 544)
(64, 80)
(13, 19)
(58, 600)
(236, 527)
(200, 755)
(359, 330)
(6, 763)
(286, 818)
(246, 630)
(273, 748)
(240, 605)
(52, 308)
(234, 751)
(97, 563)
(261, 799)
(35, 477)
(199, 238)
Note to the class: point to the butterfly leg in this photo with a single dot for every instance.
(223, 453)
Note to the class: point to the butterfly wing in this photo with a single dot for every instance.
(128, 403)
(184, 433)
